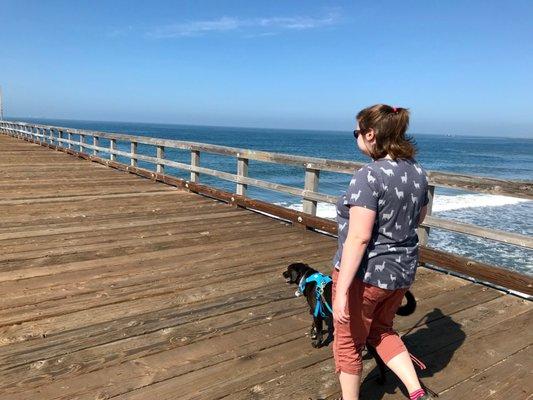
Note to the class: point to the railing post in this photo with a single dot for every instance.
(60, 138)
(50, 135)
(112, 147)
(96, 143)
(311, 184)
(195, 162)
(160, 169)
(423, 232)
(133, 151)
(82, 141)
(69, 137)
(242, 170)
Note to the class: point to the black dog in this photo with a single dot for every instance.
(296, 272)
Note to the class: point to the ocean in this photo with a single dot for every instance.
(504, 158)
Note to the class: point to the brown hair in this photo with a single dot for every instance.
(389, 125)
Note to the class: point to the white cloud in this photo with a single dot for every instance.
(258, 25)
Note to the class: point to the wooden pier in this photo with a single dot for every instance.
(116, 286)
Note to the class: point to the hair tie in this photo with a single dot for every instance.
(394, 110)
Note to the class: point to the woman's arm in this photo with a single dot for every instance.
(423, 213)
(359, 234)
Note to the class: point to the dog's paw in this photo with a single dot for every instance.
(313, 333)
(316, 344)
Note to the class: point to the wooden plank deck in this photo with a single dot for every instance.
(117, 287)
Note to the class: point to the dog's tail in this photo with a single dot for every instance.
(408, 308)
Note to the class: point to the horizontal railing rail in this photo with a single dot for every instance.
(62, 137)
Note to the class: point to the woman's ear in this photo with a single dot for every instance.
(370, 135)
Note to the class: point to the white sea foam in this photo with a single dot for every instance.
(446, 203)
(440, 203)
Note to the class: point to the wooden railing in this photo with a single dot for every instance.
(61, 138)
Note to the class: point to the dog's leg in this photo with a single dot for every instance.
(319, 329)
(381, 365)
(329, 323)
(312, 331)
(317, 332)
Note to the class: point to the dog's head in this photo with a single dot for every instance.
(296, 271)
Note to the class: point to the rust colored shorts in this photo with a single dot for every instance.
(371, 311)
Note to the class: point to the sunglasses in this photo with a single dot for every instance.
(357, 132)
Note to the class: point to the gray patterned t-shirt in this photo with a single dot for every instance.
(397, 191)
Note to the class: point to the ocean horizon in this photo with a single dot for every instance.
(192, 125)
(488, 156)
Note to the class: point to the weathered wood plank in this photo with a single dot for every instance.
(29, 200)
(81, 297)
(509, 379)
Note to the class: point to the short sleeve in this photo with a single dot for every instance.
(363, 190)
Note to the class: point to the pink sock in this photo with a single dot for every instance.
(417, 394)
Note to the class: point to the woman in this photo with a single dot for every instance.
(377, 251)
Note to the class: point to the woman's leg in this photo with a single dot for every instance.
(388, 344)
(349, 338)
(402, 366)
(349, 385)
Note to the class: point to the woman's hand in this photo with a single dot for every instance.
(339, 308)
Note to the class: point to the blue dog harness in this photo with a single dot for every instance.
(321, 281)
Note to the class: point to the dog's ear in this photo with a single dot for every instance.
(294, 272)
(297, 271)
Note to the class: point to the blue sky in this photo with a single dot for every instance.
(462, 67)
